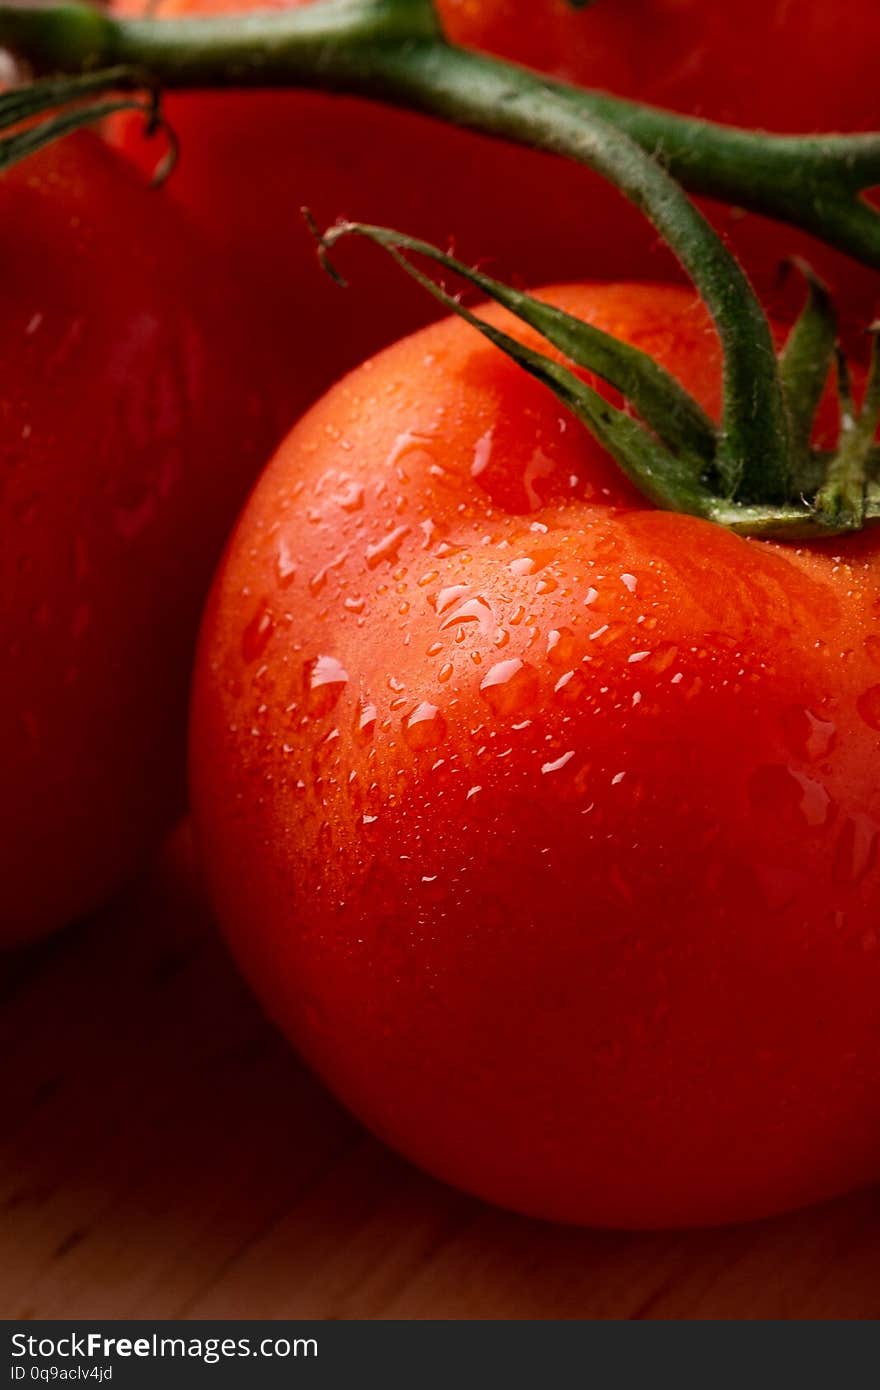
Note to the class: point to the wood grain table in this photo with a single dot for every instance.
(164, 1154)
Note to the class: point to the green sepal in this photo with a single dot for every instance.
(26, 142)
(804, 364)
(842, 500)
(656, 395)
(664, 478)
(67, 97)
(47, 93)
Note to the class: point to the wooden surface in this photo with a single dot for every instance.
(165, 1155)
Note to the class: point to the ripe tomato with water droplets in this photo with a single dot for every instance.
(128, 443)
(250, 160)
(544, 823)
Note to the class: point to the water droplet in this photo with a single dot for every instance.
(872, 647)
(868, 706)
(783, 792)
(482, 453)
(559, 762)
(538, 468)
(509, 686)
(425, 727)
(475, 610)
(629, 581)
(351, 497)
(806, 734)
(779, 886)
(386, 548)
(325, 680)
(562, 648)
(856, 850)
(521, 567)
(285, 565)
(317, 581)
(570, 688)
(256, 635)
(443, 601)
(367, 716)
(663, 657)
(445, 672)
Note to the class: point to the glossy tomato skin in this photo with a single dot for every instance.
(128, 443)
(250, 161)
(544, 824)
(782, 65)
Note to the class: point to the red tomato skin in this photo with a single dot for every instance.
(250, 161)
(128, 444)
(543, 824)
(781, 65)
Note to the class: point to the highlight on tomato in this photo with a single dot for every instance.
(128, 442)
(250, 160)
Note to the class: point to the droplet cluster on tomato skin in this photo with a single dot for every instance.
(547, 825)
(250, 160)
(127, 445)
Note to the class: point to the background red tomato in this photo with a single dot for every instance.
(781, 65)
(250, 161)
(128, 441)
(546, 824)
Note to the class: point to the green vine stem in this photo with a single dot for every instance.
(393, 50)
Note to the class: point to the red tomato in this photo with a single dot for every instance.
(127, 443)
(546, 824)
(249, 161)
(775, 64)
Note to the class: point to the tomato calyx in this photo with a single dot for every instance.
(665, 443)
(847, 498)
